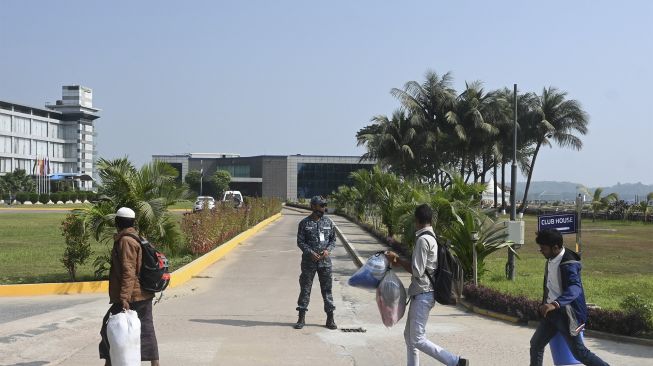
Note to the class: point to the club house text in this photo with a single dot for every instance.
(557, 220)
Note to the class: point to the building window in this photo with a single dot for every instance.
(21, 125)
(5, 165)
(25, 165)
(39, 148)
(21, 146)
(5, 144)
(239, 171)
(315, 179)
(55, 131)
(5, 122)
(39, 128)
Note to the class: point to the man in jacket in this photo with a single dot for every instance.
(316, 237)
(125, 292)
(422, 296)
(563, 305)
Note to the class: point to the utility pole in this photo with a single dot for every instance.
(510, 266)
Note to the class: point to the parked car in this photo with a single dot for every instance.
(203, 202)
(233, 196)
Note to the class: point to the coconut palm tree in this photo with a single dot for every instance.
(393, 142)
(471, 119)
(601, 203)
(555, 119)
(427, 103)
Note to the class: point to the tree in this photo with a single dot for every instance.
(18, 181)
(149, 191)
(220, 181)
(78, 248)
(393, 142)
(193, 180)
(554, 119)
(601, 203)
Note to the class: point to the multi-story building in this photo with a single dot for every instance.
(286, 177)
(62, 132)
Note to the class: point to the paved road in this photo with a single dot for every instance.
(241, 310)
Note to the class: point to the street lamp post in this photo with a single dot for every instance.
(475, 256)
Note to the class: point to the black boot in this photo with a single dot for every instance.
(301, 321)
(330, 323)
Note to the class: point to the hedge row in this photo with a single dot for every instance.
(628, 323)
(23, 197)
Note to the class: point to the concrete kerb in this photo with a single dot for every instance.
(179, 277)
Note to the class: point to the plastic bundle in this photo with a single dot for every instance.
(124, 334)
(391, 299)
(371, 273)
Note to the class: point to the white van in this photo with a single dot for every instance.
(233, 196)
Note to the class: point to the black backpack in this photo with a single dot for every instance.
(448, 276)
(154, 275)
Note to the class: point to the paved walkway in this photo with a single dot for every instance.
(240, 312)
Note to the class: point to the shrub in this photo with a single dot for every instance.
(207, 229)
(44, 198)
(34, 197)
(81, 196)
(65, 196)
(56, 196)
(78, 248)
(610, 321)
(634, 304)
(22, 197)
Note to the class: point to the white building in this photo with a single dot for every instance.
(63, 132)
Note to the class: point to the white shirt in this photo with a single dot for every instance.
(553, 283)
(424, 259)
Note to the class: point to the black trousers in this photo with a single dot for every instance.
(149, 344)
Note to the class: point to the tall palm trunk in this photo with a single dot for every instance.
(503, 183)
(494, 178)
(530, 175)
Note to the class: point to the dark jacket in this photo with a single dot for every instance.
(572, 300)
(126, 259)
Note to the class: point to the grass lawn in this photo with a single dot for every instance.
(617, 261)
(31, 247)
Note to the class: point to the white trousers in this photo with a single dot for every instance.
(415, 332)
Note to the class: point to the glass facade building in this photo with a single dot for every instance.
(320, 179)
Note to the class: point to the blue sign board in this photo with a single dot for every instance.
(564, 223)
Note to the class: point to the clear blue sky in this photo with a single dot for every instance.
(286, 77)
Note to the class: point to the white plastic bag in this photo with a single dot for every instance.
(124, 334)
(391, 299)
(371, 273)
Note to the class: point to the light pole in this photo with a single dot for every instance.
(510, 266)
(474, 238)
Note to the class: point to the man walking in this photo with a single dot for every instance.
(421, 292)
(316, 237)
(563, 305)
(125, 292)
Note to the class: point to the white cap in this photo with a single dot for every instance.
(126, 212)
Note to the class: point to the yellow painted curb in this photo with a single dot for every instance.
(179, 277)
(185, 273)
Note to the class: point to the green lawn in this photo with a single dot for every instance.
(31, 247)
(617, 260)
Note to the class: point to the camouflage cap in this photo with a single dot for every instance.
(318, 200)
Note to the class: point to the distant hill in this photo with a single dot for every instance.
(567, 191)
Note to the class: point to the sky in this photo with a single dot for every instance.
(301, 77)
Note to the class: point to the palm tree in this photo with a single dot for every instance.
(393, 142)
(601, 203)
(470, 118)
(149, 191)
(427, 103)
(554, 119)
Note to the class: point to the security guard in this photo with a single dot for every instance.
(316, 237)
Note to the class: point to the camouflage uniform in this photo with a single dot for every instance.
(310, 241)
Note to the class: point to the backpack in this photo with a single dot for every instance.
(448, 275)
(154, 275)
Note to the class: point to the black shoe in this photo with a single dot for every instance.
(463, 362)
(301, 321)
(330, 323)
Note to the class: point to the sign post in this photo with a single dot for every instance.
(565, 223)
(579, 213)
